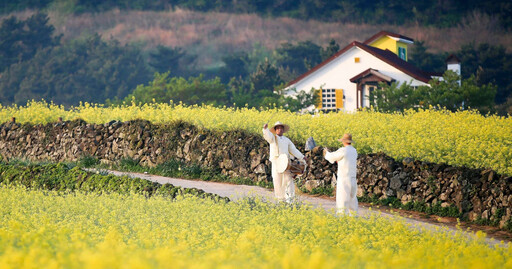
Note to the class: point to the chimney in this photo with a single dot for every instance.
(453, 63)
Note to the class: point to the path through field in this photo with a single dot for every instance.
(236, 192)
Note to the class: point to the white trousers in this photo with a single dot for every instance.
(346, 196)
(284, 188)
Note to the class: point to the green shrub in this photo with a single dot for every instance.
(65, 177)
(88, 161)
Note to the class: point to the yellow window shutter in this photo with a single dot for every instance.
(319, 103)
(339, 98)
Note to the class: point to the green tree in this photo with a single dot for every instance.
(241, 93)
(258, 89)
(490, 64)
(235, 65)
(298, 58)
(296, 101)
(419, 57)
(11, 32)
(266, 77)
(174, 60)
(20, 40)
(193, 91)
(445, 93)
(329, 50)
(265, 89)
(88, 70)
(394, 97)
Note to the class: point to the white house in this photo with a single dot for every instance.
(348, 77)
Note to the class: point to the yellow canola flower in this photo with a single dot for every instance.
(462, 138)
(46, 230)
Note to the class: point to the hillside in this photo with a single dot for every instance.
(211, 35)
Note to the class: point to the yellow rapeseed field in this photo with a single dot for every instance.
(41, 229)
(463, 138)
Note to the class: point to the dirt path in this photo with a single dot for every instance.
(236, 192)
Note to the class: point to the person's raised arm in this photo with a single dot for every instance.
(267, 134)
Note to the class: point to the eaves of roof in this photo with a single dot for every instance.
(371, 72)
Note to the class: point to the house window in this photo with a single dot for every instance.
(402, 53)
(331, 99)
(328, 98)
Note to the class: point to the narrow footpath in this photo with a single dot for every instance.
(237, 192)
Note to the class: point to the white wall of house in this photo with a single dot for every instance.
(337, 74)
(455, 67)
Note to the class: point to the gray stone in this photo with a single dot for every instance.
(408, 161)
(389, 193)
(310, 144)
(255, 160)
(395, 183)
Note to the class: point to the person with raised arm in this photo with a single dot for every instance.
(281, 150)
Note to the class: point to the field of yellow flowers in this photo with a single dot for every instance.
(463, 138)
(43, 229)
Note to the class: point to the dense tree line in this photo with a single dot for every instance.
(441, 93)
(20, 40)
(484, 62)
(430, 12)
(35, 64)
(88, 70)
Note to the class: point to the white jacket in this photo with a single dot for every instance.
(347, 161)
(285, 146)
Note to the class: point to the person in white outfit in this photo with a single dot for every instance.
(284, 187)
(346, 184)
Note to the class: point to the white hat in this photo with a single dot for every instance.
(278, 123)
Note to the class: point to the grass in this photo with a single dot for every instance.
(172, 168)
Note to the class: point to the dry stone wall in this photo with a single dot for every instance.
(477, 193)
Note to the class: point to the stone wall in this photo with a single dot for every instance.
(477, 193)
